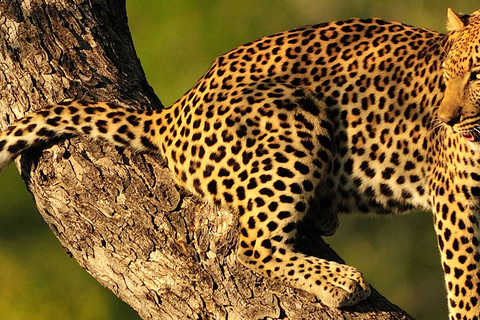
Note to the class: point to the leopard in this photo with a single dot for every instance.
(353, 116)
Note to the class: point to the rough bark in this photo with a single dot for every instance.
(120, 214)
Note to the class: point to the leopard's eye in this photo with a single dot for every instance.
(475, 75)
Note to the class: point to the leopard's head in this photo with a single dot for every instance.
(460, 107)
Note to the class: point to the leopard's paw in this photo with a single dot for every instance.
(339, 285)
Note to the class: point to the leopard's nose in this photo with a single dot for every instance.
(451, 119)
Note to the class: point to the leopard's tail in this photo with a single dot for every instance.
(120, 126)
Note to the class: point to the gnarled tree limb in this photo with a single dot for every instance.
(120, 214)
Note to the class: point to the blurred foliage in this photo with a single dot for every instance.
(176, 41)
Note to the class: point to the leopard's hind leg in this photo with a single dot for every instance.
(298, 155)
(271, 154)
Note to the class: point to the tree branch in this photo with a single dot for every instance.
(120, 214)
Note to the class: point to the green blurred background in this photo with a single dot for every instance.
(176, 42)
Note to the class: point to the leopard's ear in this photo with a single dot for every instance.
(455, 21)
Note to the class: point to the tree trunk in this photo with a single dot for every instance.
(119, 214)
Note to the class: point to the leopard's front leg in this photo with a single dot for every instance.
(456, 214)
